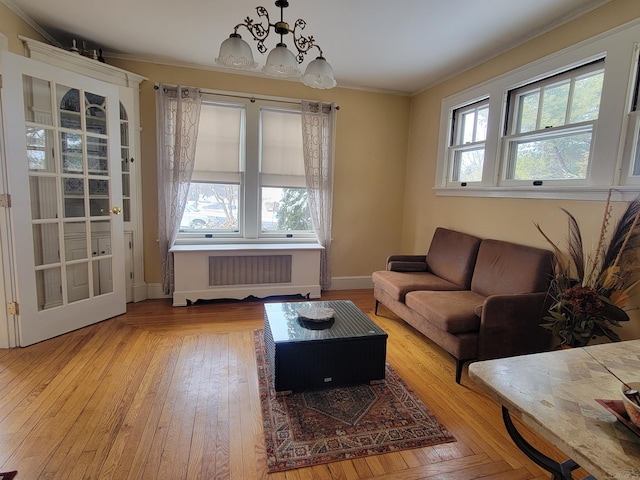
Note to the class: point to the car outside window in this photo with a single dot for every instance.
(194, 219)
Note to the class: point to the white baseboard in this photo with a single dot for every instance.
(337, 283)
(140, 292)
(351, 283)
(155, 291)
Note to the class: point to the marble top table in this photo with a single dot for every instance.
(554, 394)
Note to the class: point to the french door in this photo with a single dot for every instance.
(65, 185)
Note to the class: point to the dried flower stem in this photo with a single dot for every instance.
(626, 239)
(590, 305)
(600, 248)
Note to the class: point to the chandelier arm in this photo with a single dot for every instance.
(303, 44)
(281, 62)
(257, 30)
(259, 33)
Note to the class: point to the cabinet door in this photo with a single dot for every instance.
(64, 171)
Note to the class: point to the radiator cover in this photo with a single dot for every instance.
(249, 269)
(239, 271)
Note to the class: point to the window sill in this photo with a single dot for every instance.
(236, 247)
(619, 194)
(199, 239)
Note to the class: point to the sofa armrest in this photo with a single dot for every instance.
(510, 325)
(407, 263)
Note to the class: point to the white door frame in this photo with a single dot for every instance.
(8, 331)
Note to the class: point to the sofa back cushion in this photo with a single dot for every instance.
(452, 256)
(504, 268)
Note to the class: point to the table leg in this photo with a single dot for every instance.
(560, 471)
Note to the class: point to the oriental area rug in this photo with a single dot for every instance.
(322, 426)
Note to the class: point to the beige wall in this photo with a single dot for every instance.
(508, 219)
(371, 149)
(385, 157)
(12, 26)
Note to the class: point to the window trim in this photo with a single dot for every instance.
(620, 47)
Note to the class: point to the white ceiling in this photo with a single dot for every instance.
(398, 46)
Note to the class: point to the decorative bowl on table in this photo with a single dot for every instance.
(315, 314)
(632, 408)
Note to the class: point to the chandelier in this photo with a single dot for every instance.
(281, 62)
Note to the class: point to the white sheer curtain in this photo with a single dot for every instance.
(318, 131)
(178, 114)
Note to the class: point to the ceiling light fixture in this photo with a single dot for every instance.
(281, 62)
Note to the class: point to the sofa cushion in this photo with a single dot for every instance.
(509, 268)
(397, 284)
(400, 266)
(453, 312)
(452, 256)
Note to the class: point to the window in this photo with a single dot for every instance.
(214, 192)
(551, 125)
(636, 158)
(282, 180)
(566, 126)
(248, 180)
(469, 132)
(633, 148)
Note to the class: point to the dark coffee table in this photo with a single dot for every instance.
(348, 349)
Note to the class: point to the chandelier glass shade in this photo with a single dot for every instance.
(236, 53)
(319, 74)
(281, 62)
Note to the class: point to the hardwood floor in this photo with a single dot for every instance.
(171, 393)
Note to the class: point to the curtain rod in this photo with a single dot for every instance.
(252, 98)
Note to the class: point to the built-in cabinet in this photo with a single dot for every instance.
(128, 84)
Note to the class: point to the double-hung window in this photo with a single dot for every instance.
(214, 193)
(283, 191)
(467, 146)
(632, 149)
(248, 180)
(551, 126)
(566, 126)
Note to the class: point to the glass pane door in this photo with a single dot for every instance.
(66, 186)
(77, 182)
(125, 155)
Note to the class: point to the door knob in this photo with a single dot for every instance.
(116, 210)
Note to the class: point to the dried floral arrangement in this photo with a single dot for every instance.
(590, 290)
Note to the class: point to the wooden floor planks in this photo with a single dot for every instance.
(164, 392)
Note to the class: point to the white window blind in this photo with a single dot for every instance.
(281, 163)
(220, 139)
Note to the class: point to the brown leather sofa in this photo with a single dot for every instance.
(476, 298)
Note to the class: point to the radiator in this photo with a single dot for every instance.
(241, 271)
(249, 269)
